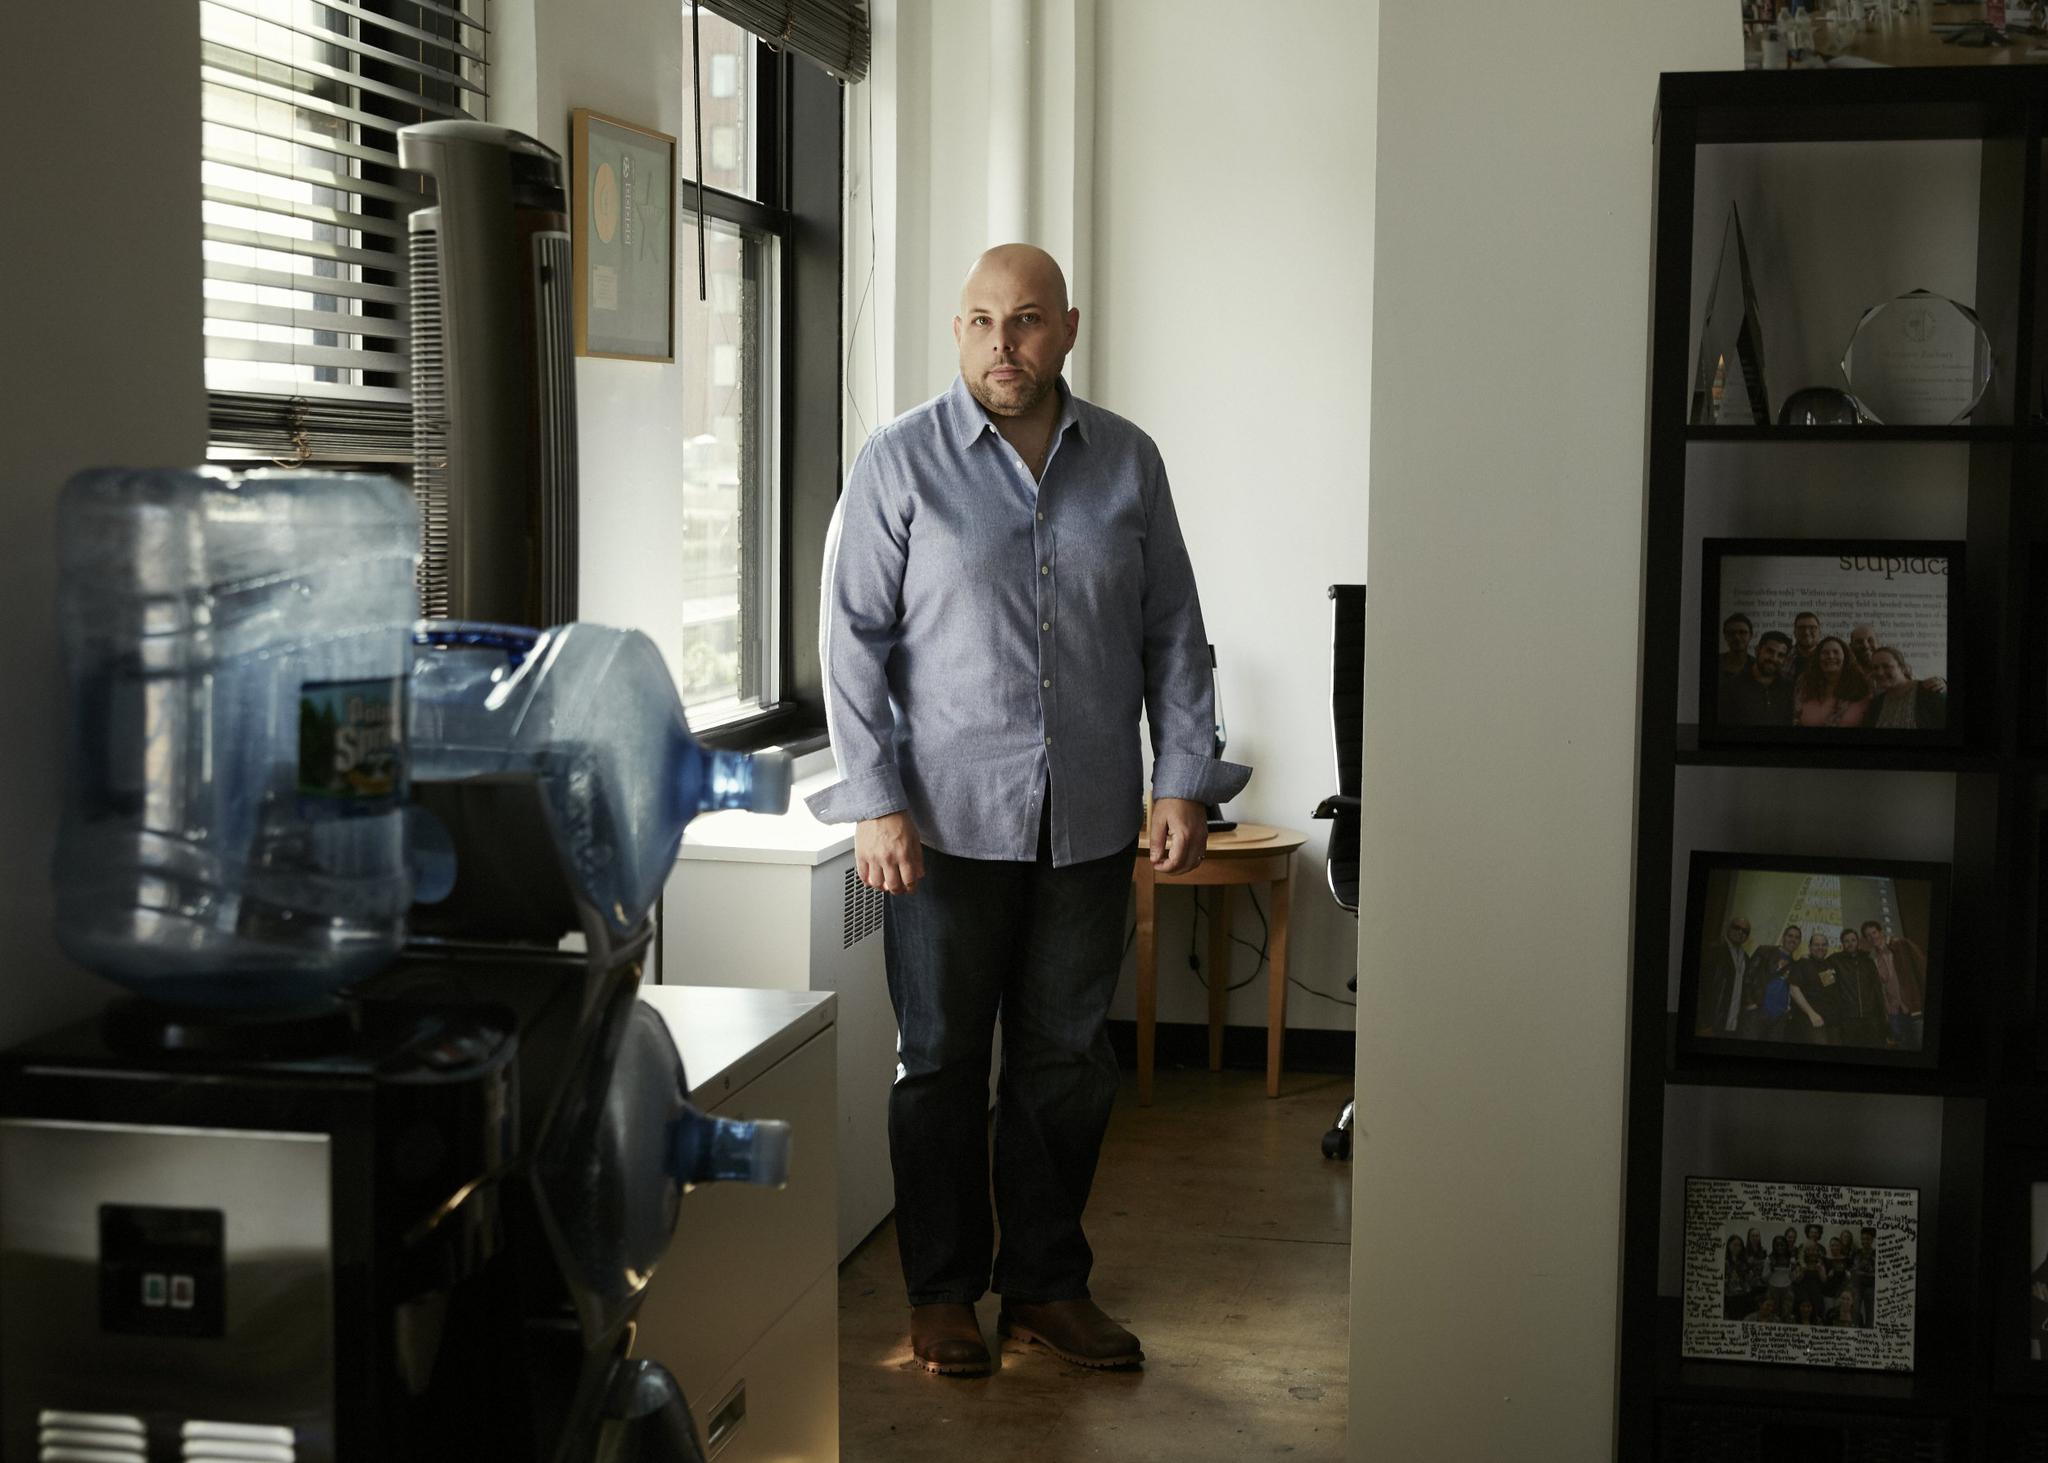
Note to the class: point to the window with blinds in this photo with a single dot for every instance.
(304, 213)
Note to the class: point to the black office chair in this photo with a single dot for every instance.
(1347, 730)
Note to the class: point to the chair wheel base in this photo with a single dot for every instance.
(1337, 1143)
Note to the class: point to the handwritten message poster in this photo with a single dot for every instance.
(1800, 1274)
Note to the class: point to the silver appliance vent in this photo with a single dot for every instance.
(555, 367)
(238, 1442)
(863, 911)
(90, 1437)
(112, 1437)
(430, 423)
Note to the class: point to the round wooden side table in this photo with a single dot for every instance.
(1251, 853)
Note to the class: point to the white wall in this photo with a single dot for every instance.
(624, 58)
(1223, 269)
(1232, 316)
(99, 364)
(1512, 290)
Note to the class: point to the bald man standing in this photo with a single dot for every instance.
(1005, 590)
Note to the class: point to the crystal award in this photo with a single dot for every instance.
(1920, 360)
(1728, 389)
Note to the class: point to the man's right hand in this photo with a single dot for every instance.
(888, 854)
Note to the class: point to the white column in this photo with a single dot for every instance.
(1010, 75)
(1063, 183)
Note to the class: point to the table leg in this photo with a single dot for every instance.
(1219, 972)
(1276, 994)
(1148, 976)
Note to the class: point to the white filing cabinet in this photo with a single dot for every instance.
(744, 1309)
(773, 903)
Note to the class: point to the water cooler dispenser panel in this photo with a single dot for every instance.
(157, 1281)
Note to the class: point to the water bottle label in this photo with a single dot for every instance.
(351, 748)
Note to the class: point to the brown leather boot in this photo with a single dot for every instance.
(947, 1339)
(1073, 1330)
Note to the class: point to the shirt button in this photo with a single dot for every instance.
(1046, 684)
(1048, 741)
(1045, 568)
(1041, 518)
(1045, 624)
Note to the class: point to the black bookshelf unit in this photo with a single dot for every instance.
(1970, 141)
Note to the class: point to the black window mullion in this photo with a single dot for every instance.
(731, 208)
(771, 169)
(788, 345)
(812, 111)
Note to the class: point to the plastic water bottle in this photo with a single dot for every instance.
(236, 651)
(593, 713)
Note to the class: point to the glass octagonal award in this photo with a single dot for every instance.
(1921, 360)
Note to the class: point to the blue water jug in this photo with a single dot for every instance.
(593, 714)
(236, 651)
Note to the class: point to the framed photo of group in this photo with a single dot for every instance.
(1800, 1274)
(1813, 642)
(1822, 960)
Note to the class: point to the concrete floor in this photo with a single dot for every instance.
(1221, 1237)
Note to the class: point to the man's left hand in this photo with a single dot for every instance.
(1179, 834)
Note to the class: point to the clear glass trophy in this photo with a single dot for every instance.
(1728, 388)
(1919, 360)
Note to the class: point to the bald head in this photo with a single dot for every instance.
(1014, 330)
(1015, 264)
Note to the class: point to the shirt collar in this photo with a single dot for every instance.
(970, 420)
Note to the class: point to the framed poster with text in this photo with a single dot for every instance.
(1800, 1274)
(622, 195)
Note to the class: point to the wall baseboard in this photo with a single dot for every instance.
(1186, 1044)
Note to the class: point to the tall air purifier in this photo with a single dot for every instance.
(493, 377)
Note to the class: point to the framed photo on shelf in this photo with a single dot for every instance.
(2034, 666)
(1816, 642)
(2020, 1242)
(1798, 959)
(1800, 1274)
(622, 197)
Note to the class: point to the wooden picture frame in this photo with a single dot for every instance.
(1910, 591)
(622, 227)
(1909, 901)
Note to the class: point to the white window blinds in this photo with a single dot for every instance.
(834, 33)
(305, 208)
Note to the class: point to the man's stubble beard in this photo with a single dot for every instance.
(979, 389)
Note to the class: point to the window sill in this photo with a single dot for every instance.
(791, 726)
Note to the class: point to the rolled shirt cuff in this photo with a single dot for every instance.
(864, 795)
(1207, 780)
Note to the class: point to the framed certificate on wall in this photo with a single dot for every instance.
(622, 223)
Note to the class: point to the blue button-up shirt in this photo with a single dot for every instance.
(985, 636)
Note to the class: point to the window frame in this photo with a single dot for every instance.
(799, 174)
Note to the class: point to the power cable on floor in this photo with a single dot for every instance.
(1195, 961)
(1265, 940)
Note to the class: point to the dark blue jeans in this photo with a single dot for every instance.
(1042, 947)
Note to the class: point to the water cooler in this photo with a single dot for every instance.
(413, 1225)
(411, 1219)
